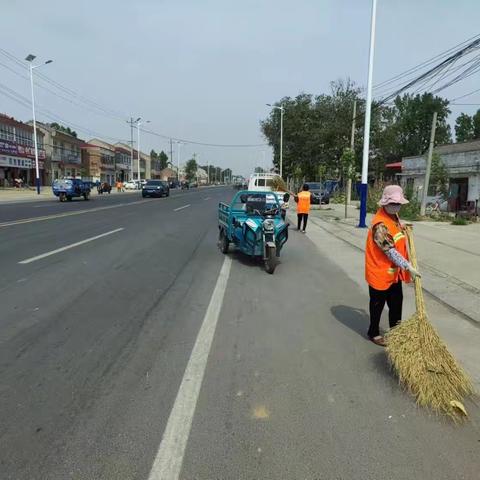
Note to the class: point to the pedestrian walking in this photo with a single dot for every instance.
(303, 199)
(387, 262)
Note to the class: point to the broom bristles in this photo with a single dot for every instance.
(425, 366)
(278, 184)
(422, 361)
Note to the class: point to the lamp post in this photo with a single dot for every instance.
(281, 134)
(366, 134)
(139, 123)
(30, 58)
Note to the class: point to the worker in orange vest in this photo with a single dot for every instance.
(303, 199)
(387, 263)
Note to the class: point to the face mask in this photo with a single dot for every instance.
(392, 209)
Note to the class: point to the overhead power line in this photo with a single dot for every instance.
(382, 86)
(97, 108)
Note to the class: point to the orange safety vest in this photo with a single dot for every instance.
(303, 205)
(380, 272)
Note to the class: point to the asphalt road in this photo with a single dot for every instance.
(144, 353)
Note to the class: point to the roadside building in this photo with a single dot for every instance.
(462, 163)
(99, 161)
(123, 163)
(168, 175)
(17, 152)
(155, 168)
(146, 164)
(63, 153)
(202, 176)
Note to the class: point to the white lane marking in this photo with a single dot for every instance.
(208, 198)
(68, 214)
(169, 459)
(181, 208)
(68, 247)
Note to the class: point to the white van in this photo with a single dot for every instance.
(261, 182)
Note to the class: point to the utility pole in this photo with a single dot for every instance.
(171, 154)
(131, 122)
(178, 158)
(429, 165)
(366, 133)
(348, 193)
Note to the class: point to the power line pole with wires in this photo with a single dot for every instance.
(429, 165)
(171, 153)
(131, 122)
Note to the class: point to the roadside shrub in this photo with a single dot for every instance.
(411, 211)
(338, 197)
(373, 197)
(459, 221)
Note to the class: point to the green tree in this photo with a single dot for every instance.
(412, 123)
(63, 129)
(191, 169)
(163, 159)
(316, 130)
(464, 129)
(476, 124)
(439, 176)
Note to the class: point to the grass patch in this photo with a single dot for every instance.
(459, 221)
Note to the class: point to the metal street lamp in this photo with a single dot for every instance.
(366, 133)
(30, 58)
(281, 134)
(139, 123)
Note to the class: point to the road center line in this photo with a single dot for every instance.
(68, 247)
(169, 459)
(68, 214)
(181, 208)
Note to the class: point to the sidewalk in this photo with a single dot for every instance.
(449, 255)
(20, 195)
(453, 300)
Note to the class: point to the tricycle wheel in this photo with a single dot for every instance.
(69, 198)
(86, 196)
(223, 242)
(61, 197)
(270, 260)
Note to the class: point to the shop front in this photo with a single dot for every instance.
(16, 170)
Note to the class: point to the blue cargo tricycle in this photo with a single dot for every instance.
(254, 224)
(67, 189)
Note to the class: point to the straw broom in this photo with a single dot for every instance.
(279, 185)
(421, 360)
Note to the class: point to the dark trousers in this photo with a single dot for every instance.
(393, 296)
(300, 217)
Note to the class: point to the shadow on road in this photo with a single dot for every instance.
(354, 318)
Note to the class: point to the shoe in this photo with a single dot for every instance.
(379, 340)
(303, 231)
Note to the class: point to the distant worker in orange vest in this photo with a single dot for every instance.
(387, 263)
(303, 207)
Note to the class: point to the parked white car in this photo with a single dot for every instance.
(132, 185)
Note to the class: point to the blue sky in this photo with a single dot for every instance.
(204, 70)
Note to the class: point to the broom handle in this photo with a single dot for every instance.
(419, 301)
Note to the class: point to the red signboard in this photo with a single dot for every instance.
(11, 148)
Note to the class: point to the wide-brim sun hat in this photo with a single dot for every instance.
(392, 194)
